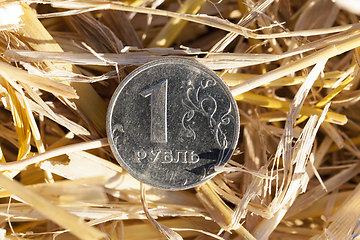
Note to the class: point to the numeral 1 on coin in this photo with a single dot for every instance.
(158, 102)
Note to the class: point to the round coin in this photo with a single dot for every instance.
(171, 122)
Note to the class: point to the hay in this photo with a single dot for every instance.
(292, 66)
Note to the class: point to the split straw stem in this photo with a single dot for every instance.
(219, 209)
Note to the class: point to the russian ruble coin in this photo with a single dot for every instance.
(171, 123)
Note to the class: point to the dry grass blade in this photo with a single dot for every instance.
(201, 19)
(244, 22)
(164, 230)
(19, 165)
(285, 106)
(214, 60)
(58, 215)
(307, 61)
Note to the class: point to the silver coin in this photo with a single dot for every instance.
(171, 122)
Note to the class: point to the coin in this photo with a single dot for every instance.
(170, 122)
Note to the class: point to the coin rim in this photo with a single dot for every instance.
(137, 71)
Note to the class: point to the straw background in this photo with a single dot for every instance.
(292, 66)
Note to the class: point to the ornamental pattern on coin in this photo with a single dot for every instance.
(171, 122)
